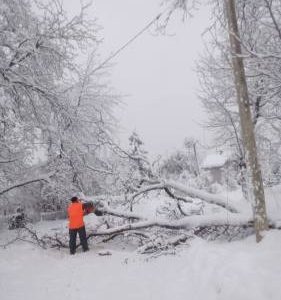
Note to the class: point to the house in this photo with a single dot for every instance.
(218, 164)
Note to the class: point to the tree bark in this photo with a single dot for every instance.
(196, 158)
(256, 191)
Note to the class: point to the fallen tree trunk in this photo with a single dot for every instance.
(184, 223)
(200, 225)
(188, 191)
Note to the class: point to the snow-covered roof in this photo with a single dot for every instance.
(216, 160)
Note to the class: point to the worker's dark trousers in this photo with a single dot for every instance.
(72, 239)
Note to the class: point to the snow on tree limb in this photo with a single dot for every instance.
(26, 182)
(99, 170)
(121, 214)
(149, 188)
(202, 195)
(191, 192)
(185, 223)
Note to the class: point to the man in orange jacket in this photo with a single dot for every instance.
(76, 225)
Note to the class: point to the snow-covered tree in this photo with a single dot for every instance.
(138, 155)
(258, 24)
(49, 99)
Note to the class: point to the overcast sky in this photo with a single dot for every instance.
(156, 72)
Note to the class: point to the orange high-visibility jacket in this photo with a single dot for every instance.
(75, 215)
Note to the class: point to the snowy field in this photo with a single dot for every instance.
(207, 270)
(240, 270)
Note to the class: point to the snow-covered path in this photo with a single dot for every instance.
(239, 270)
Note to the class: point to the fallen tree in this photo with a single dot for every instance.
(180, 231)
(235, 223)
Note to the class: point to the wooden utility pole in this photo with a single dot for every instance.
(196, 158)
(256, 191)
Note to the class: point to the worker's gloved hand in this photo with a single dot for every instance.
(88, 207)
(98, 208)
(98, 212)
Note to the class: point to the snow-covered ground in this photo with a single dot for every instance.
(238, 270)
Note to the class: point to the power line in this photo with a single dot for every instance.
(128, 43)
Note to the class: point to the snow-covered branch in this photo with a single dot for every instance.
(26, 182)
(101, 171)
(184, 223)
(204, 196)
(121, 214)
(191, 192)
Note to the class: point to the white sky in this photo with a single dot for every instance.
(156, 73)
